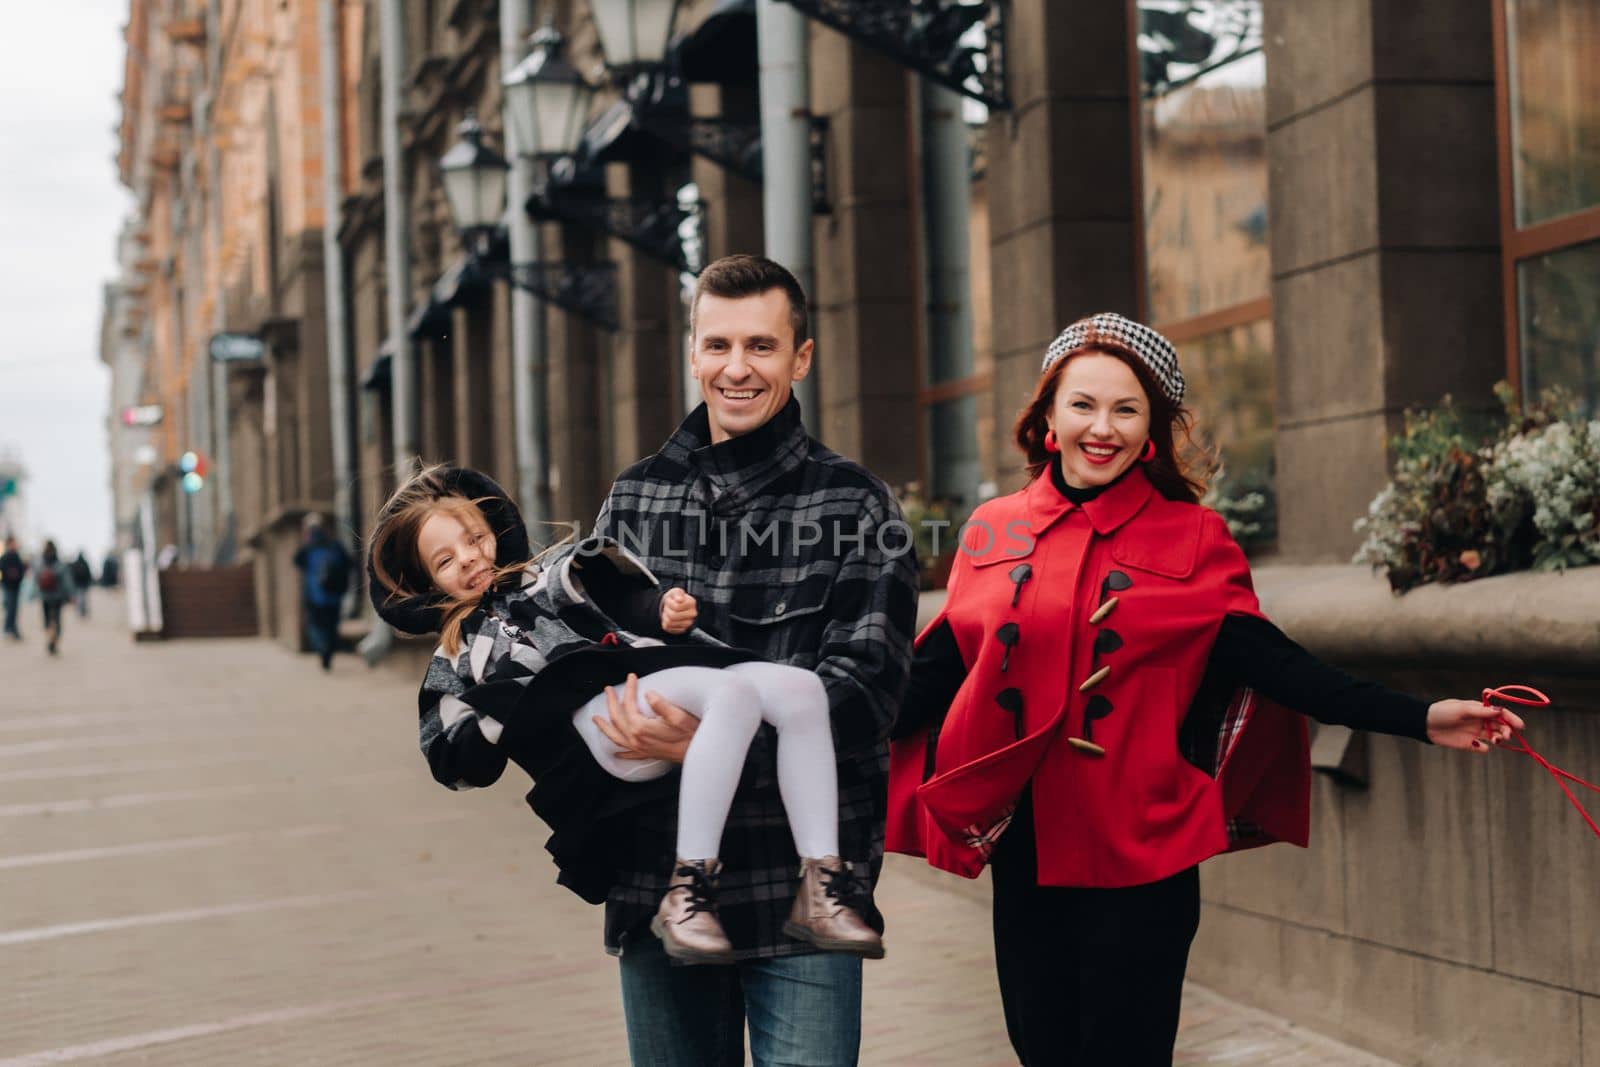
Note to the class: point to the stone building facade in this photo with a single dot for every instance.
(220, 146)
(1337, 211)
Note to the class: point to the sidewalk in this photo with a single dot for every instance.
(213, 853)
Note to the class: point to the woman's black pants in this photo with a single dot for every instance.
(1089, 977)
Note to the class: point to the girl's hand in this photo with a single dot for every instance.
(678, 611)
(1470, 725)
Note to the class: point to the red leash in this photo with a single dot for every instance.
(1529, 697)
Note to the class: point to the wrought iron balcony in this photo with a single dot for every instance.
(573, 192)
(958, 43)
(588, 289)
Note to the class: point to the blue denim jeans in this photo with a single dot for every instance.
(803, 1011)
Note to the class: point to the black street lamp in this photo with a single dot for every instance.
(474, 177)
(548, 99)
(633, 33)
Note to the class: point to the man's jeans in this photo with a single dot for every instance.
(12, 594)
(804, 1011)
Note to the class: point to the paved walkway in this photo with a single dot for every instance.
(212, 853)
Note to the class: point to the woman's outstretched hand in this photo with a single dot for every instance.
(639, 736)
(1470, 725)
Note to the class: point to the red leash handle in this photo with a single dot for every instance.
(1529, 697)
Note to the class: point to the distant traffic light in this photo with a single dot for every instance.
(193, 466)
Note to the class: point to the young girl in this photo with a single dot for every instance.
(530, 645)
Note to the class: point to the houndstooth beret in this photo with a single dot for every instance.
(1153, 350)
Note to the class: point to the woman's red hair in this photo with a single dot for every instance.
(1169, 471)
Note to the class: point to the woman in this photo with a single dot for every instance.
(53, 579)
(1101, 706)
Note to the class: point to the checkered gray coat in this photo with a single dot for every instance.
(530, 656)
(800, 556)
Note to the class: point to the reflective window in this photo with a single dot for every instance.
(1553, 55)
(1204, 149)
(1559, 320)
(1230, 379)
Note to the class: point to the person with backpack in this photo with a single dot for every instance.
(325, 576)
(52, 577)
(82, 579)
(13, 568)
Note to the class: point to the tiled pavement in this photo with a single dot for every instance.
(212, 853)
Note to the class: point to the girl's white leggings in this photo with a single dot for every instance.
(731, 704)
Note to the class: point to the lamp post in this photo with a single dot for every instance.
(547, 99)
(633, 33)
(474, 178)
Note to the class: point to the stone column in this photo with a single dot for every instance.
(1061, 192)
(577, 408)
(1385, 242)
(866, 291)
(501, 382)
(436, 407)
(478, 407)
(644, 350)
(732, 202)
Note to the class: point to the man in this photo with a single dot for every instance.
(12, 570)
(325, 576)
(800, 555)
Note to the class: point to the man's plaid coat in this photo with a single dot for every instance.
(800, 556)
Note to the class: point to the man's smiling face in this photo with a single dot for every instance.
(745, 360)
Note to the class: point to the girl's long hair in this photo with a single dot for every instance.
(394, 542)
(1172, 472)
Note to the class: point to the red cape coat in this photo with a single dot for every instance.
(1123, 677)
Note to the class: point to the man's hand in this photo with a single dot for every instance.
(1470, 725)
(678, 611)
(640, 736)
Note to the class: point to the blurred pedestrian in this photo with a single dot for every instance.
(109, 571)
(13, 568)
(1101, 706)
(82, 579)
(325, 577)
(52, 578)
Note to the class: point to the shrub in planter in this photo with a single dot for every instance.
(1464, 504)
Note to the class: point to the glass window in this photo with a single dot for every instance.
(1559, 319)
(1553, 55)
(1230, 376)
(1204, 149)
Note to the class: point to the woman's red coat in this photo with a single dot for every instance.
(1140, 812)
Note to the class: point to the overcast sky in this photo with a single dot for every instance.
(61, 207)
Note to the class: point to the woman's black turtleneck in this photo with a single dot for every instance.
(1073, 493)
(1249, 652)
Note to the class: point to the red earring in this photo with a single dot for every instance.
(1148, 453)
(1050, 442)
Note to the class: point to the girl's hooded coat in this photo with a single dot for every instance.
(535, 650)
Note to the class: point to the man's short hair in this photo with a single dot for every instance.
(734, 277)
